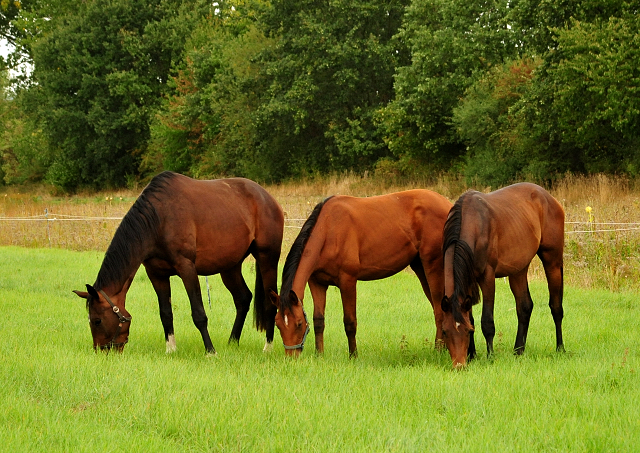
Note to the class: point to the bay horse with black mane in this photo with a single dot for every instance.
(497, 235)
(346, 239)
(185, 227)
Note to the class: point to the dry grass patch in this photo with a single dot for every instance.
(606, 256)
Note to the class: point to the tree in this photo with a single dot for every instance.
(487, 119)
(98, 75)
(330, 72)
(452, 43)
(205, 126)
(586, 99)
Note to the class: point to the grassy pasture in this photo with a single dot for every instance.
(399, 395)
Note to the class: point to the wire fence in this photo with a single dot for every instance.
(591, 227)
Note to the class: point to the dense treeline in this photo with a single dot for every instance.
(498, 90)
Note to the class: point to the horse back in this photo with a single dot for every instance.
(213, 222)
(375, 237)
(520, 220)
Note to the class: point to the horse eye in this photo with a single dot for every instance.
(96, 322)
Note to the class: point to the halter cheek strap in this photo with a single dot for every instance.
(304, 337)
(122, 318)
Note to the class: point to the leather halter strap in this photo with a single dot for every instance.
(304, 337)
(122, 318)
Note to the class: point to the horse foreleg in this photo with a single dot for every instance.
(319, 295)
(348, 294)
(471, 351)
(554, 272)
(524, 307)
(241, 294)
(162, 287)
(187, 272)
(488, 288)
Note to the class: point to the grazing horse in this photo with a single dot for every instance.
(181, 226)
(497, 235)
(346, 239)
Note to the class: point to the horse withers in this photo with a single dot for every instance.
(346, 239)
(185, 227)
(497, 235)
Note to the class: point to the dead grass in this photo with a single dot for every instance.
(597, 258)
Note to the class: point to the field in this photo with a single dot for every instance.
(399, 395)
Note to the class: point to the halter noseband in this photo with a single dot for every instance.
(122, 318)
(304, 337)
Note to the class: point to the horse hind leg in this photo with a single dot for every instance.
(234, 282)
(553, 269)
(524, 306)
(433, 278)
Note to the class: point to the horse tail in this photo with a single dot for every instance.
(259, 307)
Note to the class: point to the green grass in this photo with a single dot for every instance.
(399, 395)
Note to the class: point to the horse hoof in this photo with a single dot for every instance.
(171, 344)
(268, 347)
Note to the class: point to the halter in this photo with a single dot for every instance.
(122, 318)
(304, 337)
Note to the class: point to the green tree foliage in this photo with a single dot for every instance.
(23, 156)
(329, 73)
(587, 103)
(461, 50)
(488, 119)
(452, 43)
(206, 125)
(576, 110)
(500, 89)
(98, 75)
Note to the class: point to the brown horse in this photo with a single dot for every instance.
(497, 235)
(180, 226)
(346, 239)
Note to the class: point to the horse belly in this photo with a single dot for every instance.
(511, 264)
(213, 260)
(385, 260)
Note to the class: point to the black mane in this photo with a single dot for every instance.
(138, 227)
(293, 258)
(464, 280)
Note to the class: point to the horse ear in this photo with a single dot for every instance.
(92, 292)
(466, 306)
(294, 298)
(82, 294)
(274, 298)
(445, 304)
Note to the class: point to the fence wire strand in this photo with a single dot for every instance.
(51, 217)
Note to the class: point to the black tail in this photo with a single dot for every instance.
(259, 308)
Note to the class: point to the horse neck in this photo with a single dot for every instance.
(118, 269)
(119, 288)
(308, 263)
